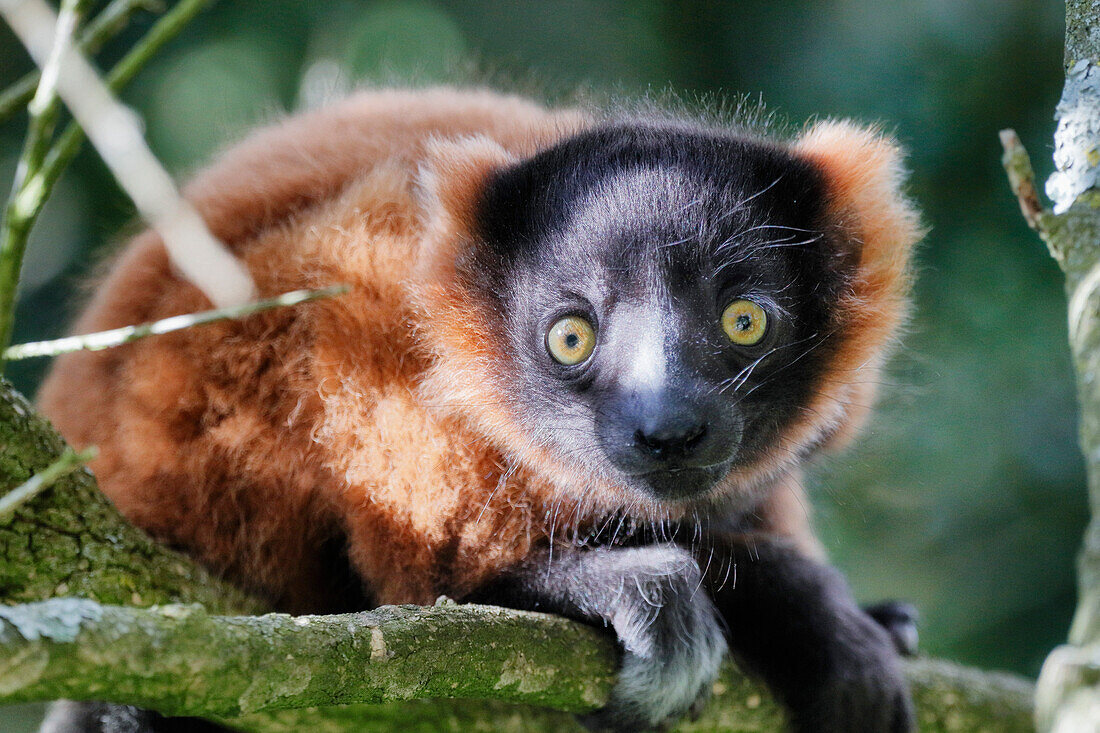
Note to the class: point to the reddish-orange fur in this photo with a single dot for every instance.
(380, 414)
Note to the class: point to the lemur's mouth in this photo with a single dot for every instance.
(677, 483)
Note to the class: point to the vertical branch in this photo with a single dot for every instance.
(1068, 693)
(27, 194)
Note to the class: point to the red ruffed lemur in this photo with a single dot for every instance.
(582, 360)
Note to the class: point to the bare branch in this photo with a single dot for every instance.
(68, 144)
(111, 21)
(27, 193)
(1021, 178)
(118, 336)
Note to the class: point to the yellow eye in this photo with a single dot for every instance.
(744, 322)
(571, 340)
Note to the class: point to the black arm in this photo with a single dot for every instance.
(793, 622)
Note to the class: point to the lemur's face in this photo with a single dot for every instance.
(666, 299)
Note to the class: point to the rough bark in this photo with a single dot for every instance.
(181, 660)
(235, 667)
(1069, 686)
(273, 670)
(70, 540)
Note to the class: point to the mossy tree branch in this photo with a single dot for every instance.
(69, 540)
(278, 661)
(268, 673)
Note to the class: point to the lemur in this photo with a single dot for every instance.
(584, 357)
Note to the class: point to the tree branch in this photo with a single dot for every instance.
(118, 336)
(182, 661)
(69, 461)
(117, 135)
(1021, 177)
(63, 151)
(1068, 689)
(70, 540)
(27, 193)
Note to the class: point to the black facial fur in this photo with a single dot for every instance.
(648, 232)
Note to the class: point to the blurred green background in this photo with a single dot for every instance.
(966, 496)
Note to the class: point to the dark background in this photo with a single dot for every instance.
(967, 494)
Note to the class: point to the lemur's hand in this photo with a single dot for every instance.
(900, 621)
(669, 631)
(861, 686)
(654, 600)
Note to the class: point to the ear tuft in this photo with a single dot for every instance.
(452, 175)
(450, 179)
(462, 381)
(864, 174)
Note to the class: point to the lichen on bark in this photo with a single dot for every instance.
(1068, 694)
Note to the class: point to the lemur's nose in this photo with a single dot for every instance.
(676, 436)
(665, 438)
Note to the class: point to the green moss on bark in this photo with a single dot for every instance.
(71, 541)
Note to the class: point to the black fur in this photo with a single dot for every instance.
(793, 622)
(900, 621)
(98, 717)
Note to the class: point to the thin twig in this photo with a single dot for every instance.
(1021, 177)
(118, 336)
(68, 462)
(111, 21)
(27, 195)
(69, 142)
(117, 135)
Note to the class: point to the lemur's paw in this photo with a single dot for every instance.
(864, 688)
(671, 637)
(900, 621)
